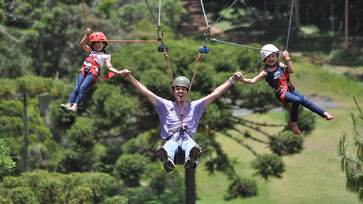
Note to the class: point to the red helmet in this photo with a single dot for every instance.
(97, 36)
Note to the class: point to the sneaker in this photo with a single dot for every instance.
(64, 107)
(162, 155)
(194, 155)
(328, 116)
(294, 128)
(169, 165)
(73, 109)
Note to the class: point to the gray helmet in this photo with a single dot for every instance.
(267, 50)
(182, 81)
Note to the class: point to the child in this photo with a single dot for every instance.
(277, 76)
(91, 68)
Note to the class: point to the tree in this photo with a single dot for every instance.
(7, 165)
(352, 166)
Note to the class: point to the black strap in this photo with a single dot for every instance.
(182, 129)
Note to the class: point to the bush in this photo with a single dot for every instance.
(286, 143)
(268, 165)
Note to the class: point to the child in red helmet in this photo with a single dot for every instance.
(277, 76)
(97, 57)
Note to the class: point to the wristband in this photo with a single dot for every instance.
(231, 80)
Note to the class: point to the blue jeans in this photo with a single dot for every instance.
(177, 146)
(296, 99)
(80, 87)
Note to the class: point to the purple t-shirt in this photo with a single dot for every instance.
(169, 116)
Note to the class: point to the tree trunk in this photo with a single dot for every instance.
(346, 24)
(297, 14)
(190, 186)
(26, 133)
(40, 63)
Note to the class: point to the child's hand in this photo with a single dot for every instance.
(88, 31)
(286, 55)
(124, 73)
(238, 76)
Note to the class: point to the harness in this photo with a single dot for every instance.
(284, 85)
(179, 129)
(93, 70)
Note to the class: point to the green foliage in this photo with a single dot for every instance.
(116, 200)
(286, 143)
(268, 166)
(43, 187)
(350, 165)
(241, 188)
(7, 165)
(130, 167)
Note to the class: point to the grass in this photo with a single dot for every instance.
(313, 176)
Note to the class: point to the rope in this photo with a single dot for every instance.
(134, 41)
(85, 15)
(190, 88)
(222, 14)
(159, 13)
(288, 31)
(148, 5)
(245, 46)
(205, 16)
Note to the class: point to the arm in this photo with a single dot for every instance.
(83, 44)
(254, 80)
(110, 67)
(221, 89)
(139, 86)
(290, 67)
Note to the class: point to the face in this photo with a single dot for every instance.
(271, 59)
(180, 93)
(98, 46)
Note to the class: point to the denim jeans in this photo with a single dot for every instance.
(177, 146)
(296, 99)
(80, 88)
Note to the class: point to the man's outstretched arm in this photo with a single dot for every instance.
(221, 89)
(144, 91)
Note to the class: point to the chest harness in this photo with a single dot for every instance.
(284, 85)
(93, 70)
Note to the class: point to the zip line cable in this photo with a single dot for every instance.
(255, 48)
(222, 14)
(288, 30)
(238, 45)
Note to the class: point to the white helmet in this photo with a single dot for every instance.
(268, 49)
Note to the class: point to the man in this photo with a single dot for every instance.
(176, 131)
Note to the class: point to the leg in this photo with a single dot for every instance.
(77, 84)
(294, 112)
(74, 94)
(192, 153)
(87, 82)
(166, 154)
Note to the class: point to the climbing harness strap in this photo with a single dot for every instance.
(179, 129)
(284, 85)
(93, 70)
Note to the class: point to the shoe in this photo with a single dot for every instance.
(73, 109)
(294, 128)
(328, 116)
(64, 107)
(194, 155)
(162, 155)
(169, 165)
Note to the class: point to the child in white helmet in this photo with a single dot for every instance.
(277, 76)
(97, 57)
